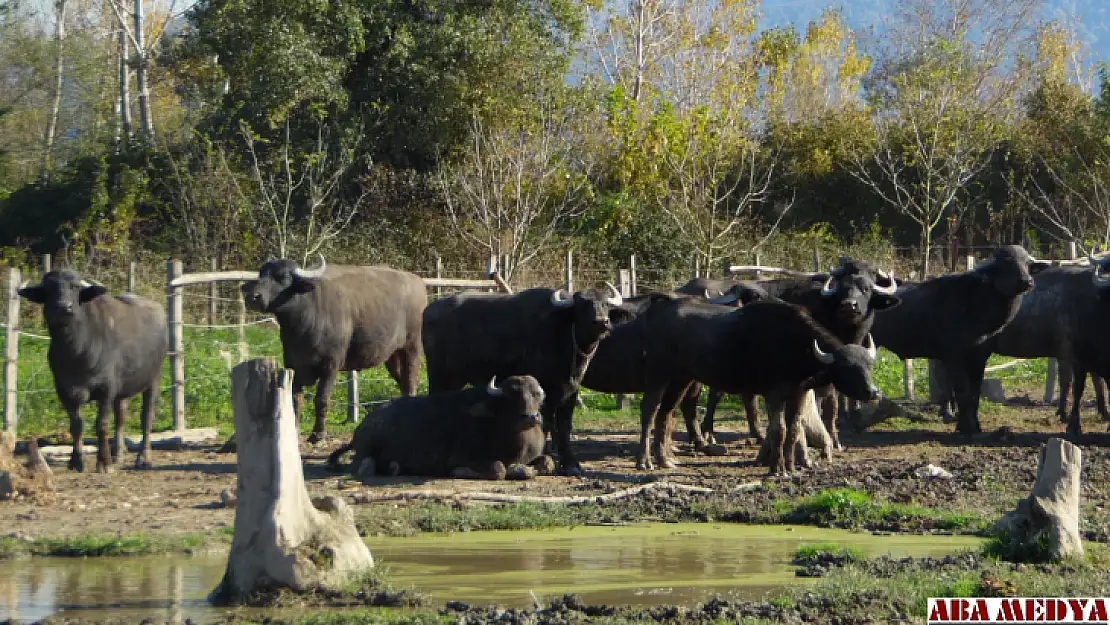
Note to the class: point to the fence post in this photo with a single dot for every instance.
(352, 397)
(970, 262)
(697, 265)
(624, 284)
(816, 258)
(758, 273)
(907, 378)
(212, 294)
(132, 268)
(439, 275)
(491, 268)
(568, 271)
(11, 352)
(175, 308)
(632, 274)
(47, 263)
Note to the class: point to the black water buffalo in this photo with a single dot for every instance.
(470, 337)
(341, 318)
(103, 349)
(487, 432)
(771, 348)
(952, 319)
(844, 303)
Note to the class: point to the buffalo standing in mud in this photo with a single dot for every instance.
(844, 302)
(479, 432)
(953, 319)
(341, 318)
(471, 337)
(103, 349)
(773, 349)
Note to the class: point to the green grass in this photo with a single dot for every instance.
(805, 554)
(88, 546)
(855, 508)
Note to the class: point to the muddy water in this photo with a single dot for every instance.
(650, 564)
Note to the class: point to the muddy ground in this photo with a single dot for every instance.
(990, 472)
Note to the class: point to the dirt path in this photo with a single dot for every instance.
(181, 494)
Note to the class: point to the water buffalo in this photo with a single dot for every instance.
(952, 319)
(486, 432)
(470, 337)
(774, 349)
(844, 303)
(103, 349)
(341, 318)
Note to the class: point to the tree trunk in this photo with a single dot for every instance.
(1051, 511)
(59, 79)
(123, 103)
(140, 75)
(927, 240)
(282, 539)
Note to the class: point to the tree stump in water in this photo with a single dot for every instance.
(283, 539)
(813, 435)
(1051, 511)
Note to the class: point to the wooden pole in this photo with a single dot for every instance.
(175, 308)
(11, 352)
(624, 284)
(758, 274)
(47, 264)
(212, 294)
(132, 269)
(352, 397)
(697, 265)
(970, 262)
(568, 271)
(1073, 250)
(907, 378)
(632, 273)
(816, 258)
(439, 275)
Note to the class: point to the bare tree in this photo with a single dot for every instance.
(1076, 204)
(298, 208)
(135, 29)
(628, 40)
(59, 79)
(513, 188)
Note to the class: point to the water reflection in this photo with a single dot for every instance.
(633, 565)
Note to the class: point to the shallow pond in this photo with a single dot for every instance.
(643, 564)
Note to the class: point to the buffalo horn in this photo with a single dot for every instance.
(614, 298)
(312, 274)
(885, 277)
(829, 289)
(869, 343)
(558, 302)
(84, 284)
(492, 388)
(822, 357)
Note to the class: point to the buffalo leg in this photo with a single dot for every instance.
(664, 423)
(150, 397)
(323, 403)
(298, 396)
(404, 368)
(76, 431)
(792, 409)
(119, 410)
(827, 405)
(103, 453)
(751, 412)
(1079, 382)
(1100, 396)
(713, 397)
(564, 418)
(776, 429)
(1065, 375)
(649, 406)
(966, 377)
(689, 408)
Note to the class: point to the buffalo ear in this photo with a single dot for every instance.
(619, 315)
(33, 294)
(882, 301)
(89, 293)
(303, 286)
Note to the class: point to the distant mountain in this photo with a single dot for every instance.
(1090, 17)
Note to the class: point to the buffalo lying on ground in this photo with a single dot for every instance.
(844, 303)
(471, 337)
(952, 319)
(769, 348)
(103, 349)
(485, 432)
(341, 318)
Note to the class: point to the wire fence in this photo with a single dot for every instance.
(218, 332)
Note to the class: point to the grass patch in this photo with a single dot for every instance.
(850, 507)
(811, 554)
(90, 546)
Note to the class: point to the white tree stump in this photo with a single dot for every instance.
(813, 435)
(283, 539)
(1052, 508)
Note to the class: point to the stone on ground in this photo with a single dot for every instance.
(283, 538)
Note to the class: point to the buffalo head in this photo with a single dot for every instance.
(515, 403)
(848, 368)
(279, 281)
(1098, 275)
(740, 294)
(61, 294)
(594, 312)
(1010, 271)
(856, 288)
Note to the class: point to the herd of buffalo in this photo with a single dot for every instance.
(504, 370)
